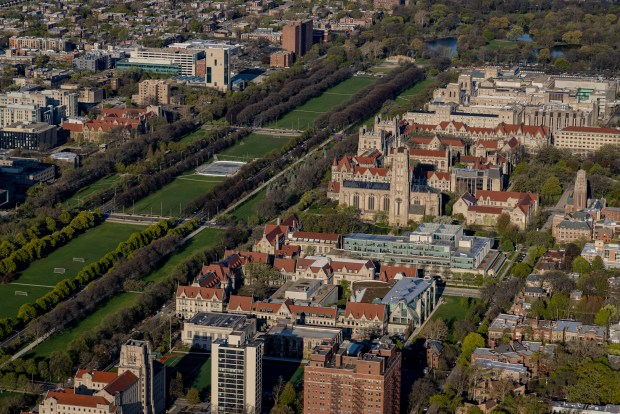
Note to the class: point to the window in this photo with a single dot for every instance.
(371, 202)
(209, 75)
(386, 204)
(356, 201)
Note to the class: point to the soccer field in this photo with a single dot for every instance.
(304, 116)
(40, 277)
(104, 183)
(253, 146)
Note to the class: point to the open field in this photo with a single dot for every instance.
(304, 116)
(454, 309)
(172, 198)
(415, 89)
(104, 183)
(195, 369)
(60, 341)
(203, 240)
(193, 136)
(248, 208)
(90, 246)
(253, 146)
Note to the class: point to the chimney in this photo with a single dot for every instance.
(278, 221)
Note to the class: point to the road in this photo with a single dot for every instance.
(558, 209)
(275, 177)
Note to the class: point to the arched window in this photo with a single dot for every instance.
(356, 200)
(386, 204)
(371, 202)
(416, 202)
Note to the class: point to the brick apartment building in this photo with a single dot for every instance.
(297, 37)
(351, 379)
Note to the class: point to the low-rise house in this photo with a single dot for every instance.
(365, 319)
(314, 243)
(191, 300)
(434, 351)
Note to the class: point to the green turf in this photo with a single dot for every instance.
(171, 199)
(104, 183)
(11, 302)
(253, 146)
(203, 240)
(193, 136)
(248, 208)
(304, 116)
(415, 89)
(60, 341)
(497, 44)
(454, 309)
(91, 246)
(195, 370)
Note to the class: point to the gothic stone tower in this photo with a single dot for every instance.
(400, 187)
(580, 195)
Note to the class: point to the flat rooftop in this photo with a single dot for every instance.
(218, 320)
(306, 332)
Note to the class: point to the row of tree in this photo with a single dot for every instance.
(295, 94)
(98, 167)
(37, 248)
(369, 100)
(16, 234)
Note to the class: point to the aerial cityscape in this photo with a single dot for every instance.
(309, 207)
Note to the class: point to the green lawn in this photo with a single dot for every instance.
(92, 321)
(304, 116)
(90, 246)
(203, 240)
(253, 146)
(415, 89)
(104, 183)
(193, 136)
(195, 369)
(248, 208)
(170, 200)
(497, 44)
(454, 309)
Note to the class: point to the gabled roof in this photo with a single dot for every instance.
(505, 195)
(97, 376)
(331, 237)
(388, 272)
(288, 250)
(428, 153)
(438, 174)
(284, 265)
(357, 266)
(67, 396)
(243, 303)
(369, 311)
(333, 187)
(314, 311)
(122, 383)
(193, 292)
(248, 257)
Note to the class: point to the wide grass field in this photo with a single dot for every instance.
(195, 369)
(253, 146)
(193, 136)
(90, 246)
(60, 341)
(201, 241)
(415, 89)
(304, 116)
(171, 199)
(248, 208)
(103, 183)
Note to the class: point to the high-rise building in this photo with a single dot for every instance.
(184, 58)
(217, 71)
(153, 92)
(137, 357)
(354, 380)
(297, 37)
(236, 375)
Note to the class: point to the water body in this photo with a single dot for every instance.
(446, 45)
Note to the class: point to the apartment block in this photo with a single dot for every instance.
(352, 378)
(281, 59)
(153, 92)
(39, 43)
(217, 72)
(206, 327)
(236, 375)
(609, 252)
(36, 136)
(297, 37)
(184, 58)
(584, 140)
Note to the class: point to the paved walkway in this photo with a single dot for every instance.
(29, 284)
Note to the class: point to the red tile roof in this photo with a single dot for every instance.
(97, 376)
(592, 129)
(314, 311)
(195, 291)
(428, 153)
(289, 250)
(486, 209)
(389, 272)
(243, 303)
(504, 196)
(333, 187)
(438, 174)
(382, 172)
(284, 265)
(122, 383)
(340, 266)
(368, 310)
(332, 237)
(67, 396)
